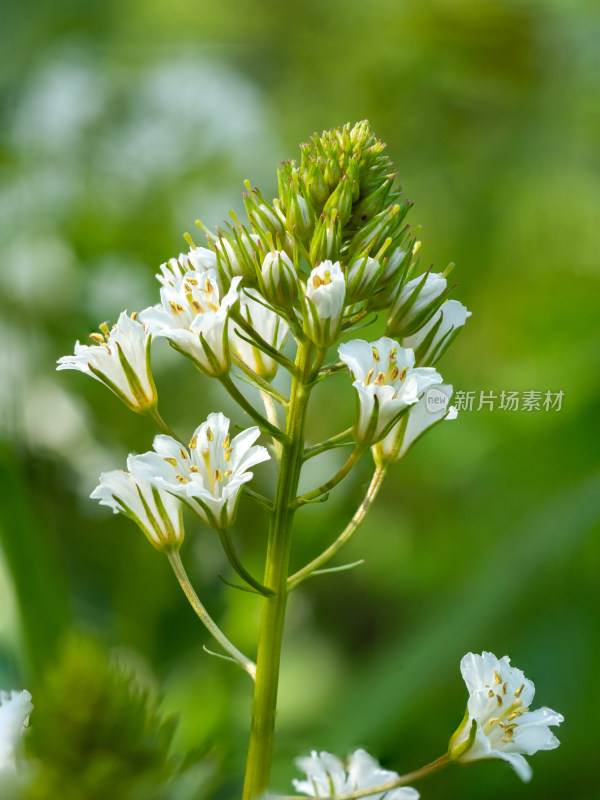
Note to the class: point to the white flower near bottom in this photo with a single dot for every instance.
(498, 707)
(156, 512)
(211, 473)
(15, 708)
(386, 382)
(327, 775)
(120, 359)
(431, 409)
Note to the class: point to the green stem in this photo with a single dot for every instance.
(205, 617)
(260, 751)
(340, 475)
(152, 412)
(341, 540)
(261, 421)
(235, 562)
(328, 444)
(410, 777)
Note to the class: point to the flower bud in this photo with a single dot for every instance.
(433, 339)
(416, 302)
(327, 239)
(280, 280)
(341, 200)
(364, 275)
(324, 303)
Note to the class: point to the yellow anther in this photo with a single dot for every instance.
(519, 690)
(394, 373)
(379, 380)
(226, 441)
(504, 685)
(492, 721)
(176, 308)
(207, 286)
(228, 472)
(403, 374)
(97, 337)
(228, 453)
(218, 475)
(327, 278)
(193, 442)
(196, 306)
(194, 468)
(170, 460)
(210, 437)
(497, 677)
(491, 693)
(376, 356)
(317, 282)
(213, 306)
(516, 713)
(182, 453)
(499, 699)
(181, 479)
(134, 316)
(393, 353)
(369, 376)
(507, 739)
(192, 281)
(104, 329)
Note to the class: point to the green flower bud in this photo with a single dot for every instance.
(280, 280)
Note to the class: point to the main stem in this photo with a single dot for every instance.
(260, 752)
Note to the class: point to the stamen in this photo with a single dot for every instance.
(196, 306)
(182, 453)
(176, 308)
(403, 374)
(134, 316)
(228, 472)
(504, 685)
(379, 380)
(327, 278)
(170, 460)
(497, 677)
(97, 337)
(394, 373)
(210, 437)
(194, 468)
(519, 690)
(228, 453)
(369, 376)
(499, 699)
(376, 356)
(181, 479)
(193, 442)
(104, 329)
(491, 693)
(218, 475)
(226, 441)
(212, 306)
(393, 353)
(317, 282)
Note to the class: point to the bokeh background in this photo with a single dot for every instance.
(121, 124)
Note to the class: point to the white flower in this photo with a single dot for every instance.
(268, 325)
(210, 475)
(121, 360)
(433, 338)
(327, 775)
(15, 708)
(386, 382)
(156, 512)
(199, 259)
(415, 300)
(325, 300)
(194, 319)
(423, 415)
(498, 704)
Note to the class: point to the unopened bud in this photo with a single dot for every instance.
(280, 280)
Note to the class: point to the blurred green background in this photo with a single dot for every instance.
(121, 123)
